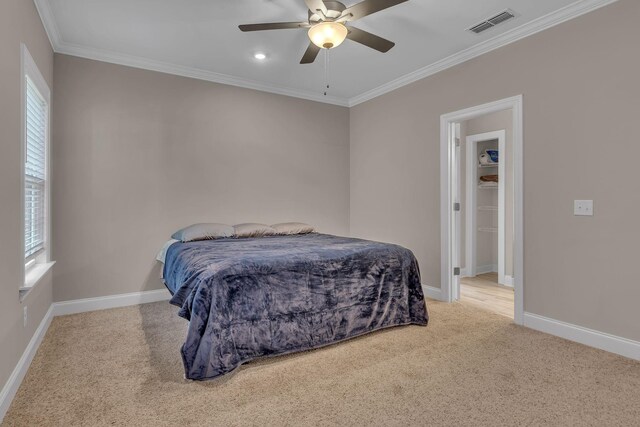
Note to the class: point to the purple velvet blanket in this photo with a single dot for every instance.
(255, 297)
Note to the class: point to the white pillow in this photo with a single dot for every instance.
(293, 228)
(162, 255)
(205, 231)
(251, 229)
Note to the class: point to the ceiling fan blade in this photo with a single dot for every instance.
(367, 7)
(274, 26)
(315, 5)
(311, 54)
(369, 40)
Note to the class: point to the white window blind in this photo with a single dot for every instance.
(35, 171)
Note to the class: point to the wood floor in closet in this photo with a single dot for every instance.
(484, 291)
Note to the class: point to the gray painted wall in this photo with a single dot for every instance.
(139, 154)
(581, 102)
(19, 23)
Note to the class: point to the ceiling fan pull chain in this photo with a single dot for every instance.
(326, 69)
(326, 52)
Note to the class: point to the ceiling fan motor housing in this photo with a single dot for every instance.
(334, 9)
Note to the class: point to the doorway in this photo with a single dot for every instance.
(487, 206)
(481, 207)
(485, 200)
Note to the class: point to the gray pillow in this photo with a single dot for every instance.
(286, 228)
(204, 231)
(251, 229)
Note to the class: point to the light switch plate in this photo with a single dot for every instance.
(583, 207)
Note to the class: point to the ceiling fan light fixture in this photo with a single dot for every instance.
(327, 35)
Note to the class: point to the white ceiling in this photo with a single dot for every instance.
(200, 38)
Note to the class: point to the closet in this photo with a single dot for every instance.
(485, 206)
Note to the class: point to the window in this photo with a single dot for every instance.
(35, 135)
(35, 171)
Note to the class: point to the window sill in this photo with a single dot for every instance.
(33, 277)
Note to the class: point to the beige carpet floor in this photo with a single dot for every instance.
(468, 367)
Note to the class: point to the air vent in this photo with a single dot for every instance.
(493, 21)
(481, 27)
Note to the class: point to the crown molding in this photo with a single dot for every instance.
(194, 73)
(552, 19)
(564, 14)
(49, 22)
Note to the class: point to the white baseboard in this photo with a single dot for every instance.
(431, 292)
(491, 268)
(111, 301)
(481, 269)
(15, 379)
(508, 281)
(590, 337)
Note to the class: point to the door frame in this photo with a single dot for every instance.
(447, 180)
(471, 211)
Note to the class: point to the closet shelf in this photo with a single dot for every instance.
(492, 165)
(488, 229)
(488, 208)
(488, 187)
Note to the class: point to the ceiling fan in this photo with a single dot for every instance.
(327, 25)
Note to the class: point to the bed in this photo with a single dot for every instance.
(248, 298)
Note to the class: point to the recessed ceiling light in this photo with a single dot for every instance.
(260, 56)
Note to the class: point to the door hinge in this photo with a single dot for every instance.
(457, 142)
(456, 271)
(456, 207)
